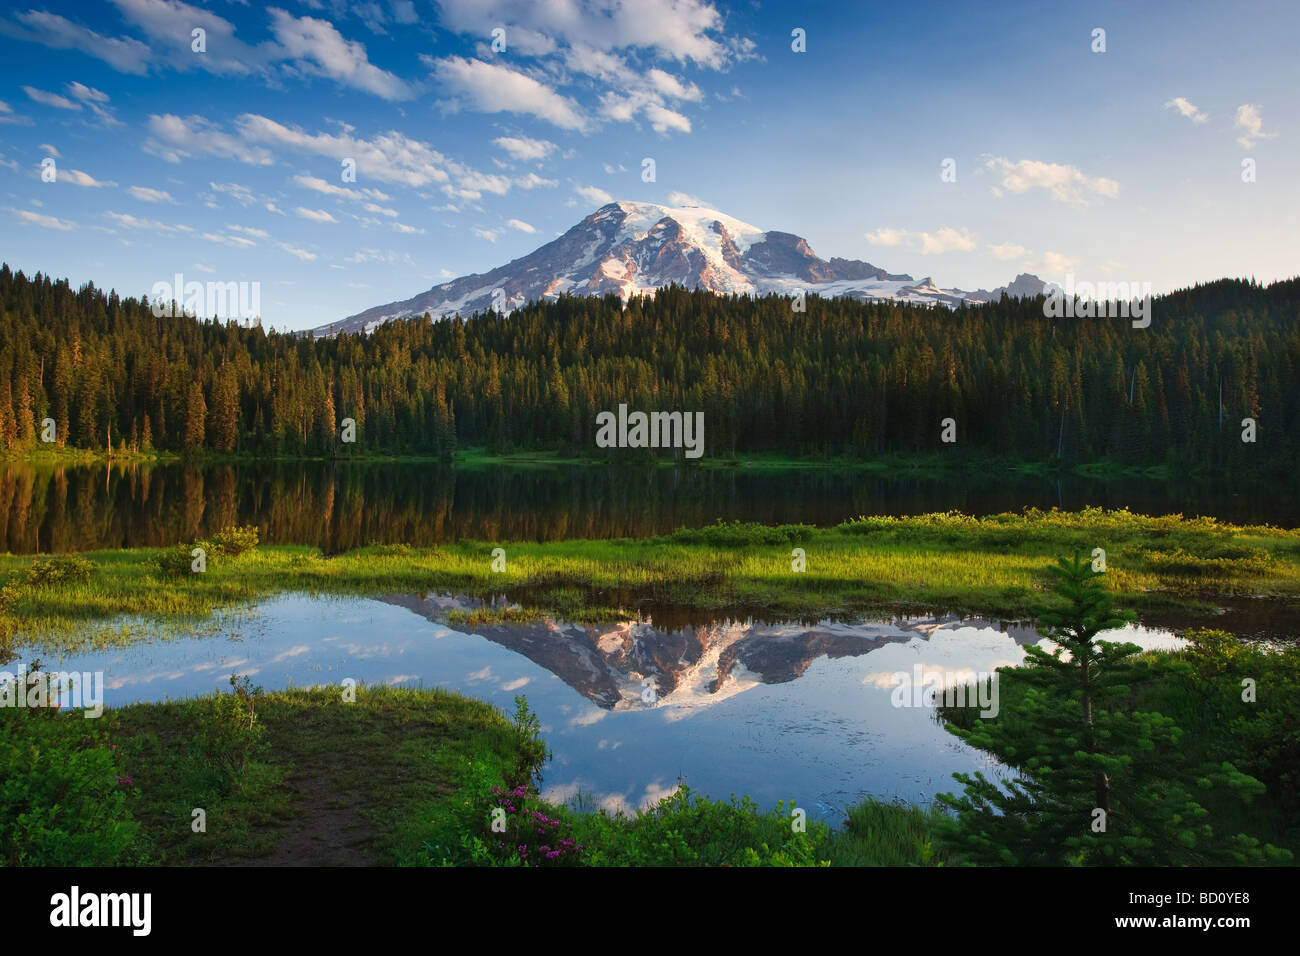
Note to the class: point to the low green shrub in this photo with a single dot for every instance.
(742, 533)
(63, 801)
(231, 542)
(685, 829)
(62, 569)
(175, 562)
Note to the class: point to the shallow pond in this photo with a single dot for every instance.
(775, 711)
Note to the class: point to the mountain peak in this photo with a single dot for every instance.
(629, 247)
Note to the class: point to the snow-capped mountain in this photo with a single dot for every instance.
(689, 666)
(631, 248)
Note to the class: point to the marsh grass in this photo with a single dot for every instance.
(993, 566)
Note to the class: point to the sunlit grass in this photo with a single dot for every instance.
(992, 566)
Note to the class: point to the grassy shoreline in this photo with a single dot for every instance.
(993, 566)
(395, 777)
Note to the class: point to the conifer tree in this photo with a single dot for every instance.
(1093, 781)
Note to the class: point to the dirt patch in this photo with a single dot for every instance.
(328, 828)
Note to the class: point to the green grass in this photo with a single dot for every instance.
(889, 834)
(991, 566)
(397, 777)
(365, 776)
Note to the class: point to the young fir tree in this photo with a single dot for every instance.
(1094, 781)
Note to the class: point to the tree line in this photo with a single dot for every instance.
(840, 377)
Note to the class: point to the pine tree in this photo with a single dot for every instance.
(196, 411)
(1094, 782)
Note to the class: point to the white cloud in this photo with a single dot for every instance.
(87, 94)
(318, 47)
(1066, 184)
(945, 239)
(50, 99)
(491, 235)
(302, 254)
(663, 119)
(486, 182)
(685, 200)
(51, 150)
(625, 108)
(1007, 250)
(302, 46)
(315, 215)
(195, 135)
(1252, 124)
(489, 88)
(523, 148)
(128, 221)
(376, 255)
(673, 87)
(78, 178)
(1054, 263)
(240, 193)
(382, 210)
(249, 231)
(533, 181)
(97, 100)
(146, 194)
(329, 189)
(239, 242)
(123, 54)
(1187, 109)
(594, 195)
(681, 30)
(607, 41)
(520, 225)
(167, 25)
(44, 221)
(389, 157)
(886, 237)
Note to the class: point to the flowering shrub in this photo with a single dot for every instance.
(530, 838)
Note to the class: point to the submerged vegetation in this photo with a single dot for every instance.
(997, 565)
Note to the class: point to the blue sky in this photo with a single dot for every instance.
(227, 164)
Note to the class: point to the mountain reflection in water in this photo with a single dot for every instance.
(776, 711)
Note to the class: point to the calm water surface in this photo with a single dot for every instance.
(776, 711)
(338, 506)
